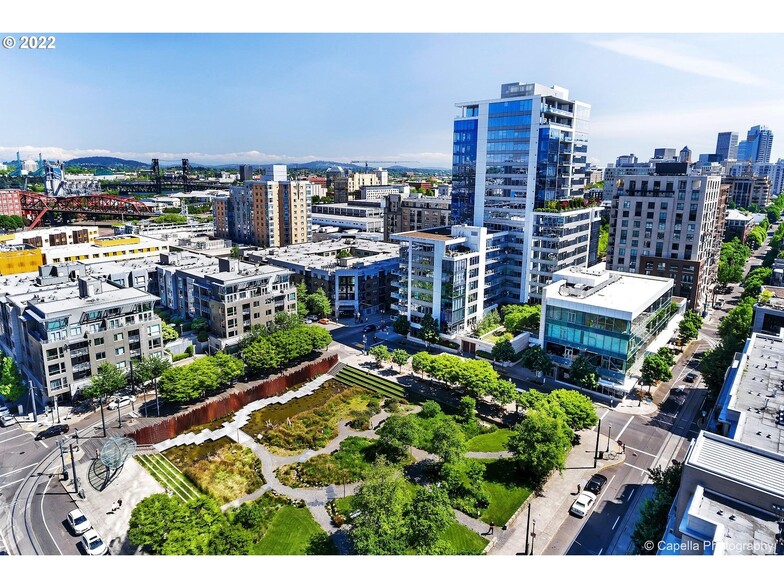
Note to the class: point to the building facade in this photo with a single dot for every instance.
(757, 146)
(609, 317)
(513, 157)
(748, 190)
(664, 224)
(10, 203)
(348, 187)
(727, 146)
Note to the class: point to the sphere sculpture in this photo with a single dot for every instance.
(115, 451)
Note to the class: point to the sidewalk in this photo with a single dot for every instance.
(551, 508)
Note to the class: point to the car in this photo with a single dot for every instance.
(690, 377)
(308, 321)
(6, 420)
(120, 401)
(52, 431)
(93, 544)
(324, 321)
(679, 390)
(312, 317)
(78, 522)
(595, 484)
(369, 329)
(583, 504)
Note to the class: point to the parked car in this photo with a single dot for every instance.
(78, 522)
(595, 484)
(312, 317)
(369, 329)
(690, 377)
(583, 504)
(324, 321)
(93, 544)
(121, 401)
(6, 420)
(52, 431)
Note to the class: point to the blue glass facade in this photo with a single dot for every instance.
(464, 171)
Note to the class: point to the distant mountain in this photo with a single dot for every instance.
(324, 165)
(110, 162)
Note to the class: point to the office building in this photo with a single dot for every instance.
(269, 213)
(748, 190)
(53, 236)
(382, 192)
(356, 274)
(625, 160)
(727, 146)
(246, 173)
(685, 155)
(609, 317)
(665, 153)
(664, 224)
(757, 146)
(518, 161)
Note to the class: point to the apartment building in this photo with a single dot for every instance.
(348, 187)
(664, 224)
(748, 190)
(415, 212)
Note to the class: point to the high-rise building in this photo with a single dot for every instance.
(685, 155)
(269, 213)
(246, 173)
(757, 146)
(727, 146)
(664, 153)
(664, 224)
(518, 161)
(348, 187)
(748, 190)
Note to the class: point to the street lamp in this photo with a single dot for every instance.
(609, 434)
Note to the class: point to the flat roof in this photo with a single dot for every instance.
(757, 393)
(431, 236)
(322, 254)
(740, 462)
(65, 299)
(622, 292)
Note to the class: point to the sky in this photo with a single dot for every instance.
(266, 98)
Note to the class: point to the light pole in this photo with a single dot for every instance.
(596, 451)
(533, 537)
(62, 459)
(103, 420)
(32, 398)
(57, 408)
(609, 434)
(73, 465)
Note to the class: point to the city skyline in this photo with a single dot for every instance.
(294, 98)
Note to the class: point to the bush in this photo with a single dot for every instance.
(202, 336)
(189, 351)
(180, 357)
(392, 405)
(430, 409)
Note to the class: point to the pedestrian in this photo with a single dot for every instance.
(97, 454)
(492, 528)
(119, 503)
(579, 489)
(114, 507)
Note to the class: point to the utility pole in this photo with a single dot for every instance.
(103, 420)
(528, 528)
(596, 451)
(32, 397)
(73, 465)
(609, 434)
(62, 459)
(533, 537)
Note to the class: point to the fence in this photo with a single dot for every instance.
(231, 401)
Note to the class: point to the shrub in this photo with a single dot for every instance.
(189, 351)
(392, 405)
(430, 409)
(202, 336)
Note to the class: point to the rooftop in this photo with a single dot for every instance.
(63, 300)
(323, 254)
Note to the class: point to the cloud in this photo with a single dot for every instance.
(676, 56)
(424, 159)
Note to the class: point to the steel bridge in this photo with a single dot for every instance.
(163, 186)
(37, 205)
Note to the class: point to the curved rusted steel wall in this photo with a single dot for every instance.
(231, 401)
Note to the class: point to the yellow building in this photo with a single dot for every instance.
(19, 259)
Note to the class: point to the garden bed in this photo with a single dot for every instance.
(223, 469)
(309, 422)
(348, 464)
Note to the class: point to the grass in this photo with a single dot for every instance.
(316, 425)
(293, 531)
(489, 441)
(463, 540)
(168, 476)
(348, 464)
(505, 489)
(381, 386)
(222, 469)
(494, 336)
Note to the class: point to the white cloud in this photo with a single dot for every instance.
(424, 159)
(676, 56)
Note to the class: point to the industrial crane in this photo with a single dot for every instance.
(366, 161)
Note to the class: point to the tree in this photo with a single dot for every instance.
(302, 300)
(667, 354)
(169, 332)
(687, 329)
(235, 252)
(583, 372)
(401, 326)
(428, 517)
(654, 513)
(421, 362)
(398, 434)
(536, 359)
(200, 323)
(488, 322)
(448, 441)
(380, 353)
(319, 304)
(261, 355)
(578, 408)
(430, 409)
(503, 350)
(736, 324)
(540, 444)
(170, 218)
(229, 368)
(429, 330)
(12, 387)
(150, 367)
(153, 519)
(230, 540)
(467, 409)
(400, 357)
(654, 369)
(382, 501)
(715, 362)
(522, 317)
(108, 380)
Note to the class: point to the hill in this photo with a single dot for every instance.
(110, 162)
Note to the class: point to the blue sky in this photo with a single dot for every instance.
(227, 98)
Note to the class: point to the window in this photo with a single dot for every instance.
(119, 351)
(118, 336)
(100, 355)
(154, 330)
(121, 364)
(115, 323)
(54, 353)
(98, 341)
(75, 331)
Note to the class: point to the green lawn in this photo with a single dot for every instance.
(293, 531)
(463, 540)
(505, 489)
(489, 441)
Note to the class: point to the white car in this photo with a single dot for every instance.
(121, 401)
(78, 522)
(583, 504)
(93, 544)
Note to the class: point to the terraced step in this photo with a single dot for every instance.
(352, 376)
